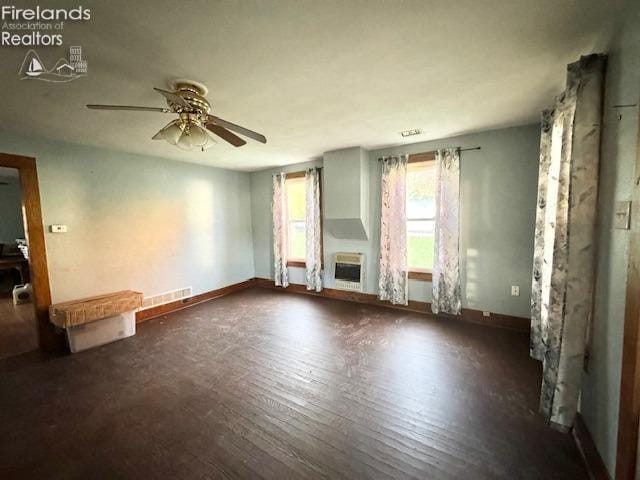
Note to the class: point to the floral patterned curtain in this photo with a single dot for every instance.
(564, 260)
(313, 232)
(279, 212)
(393, 282)
(446, 259)
(536, 346)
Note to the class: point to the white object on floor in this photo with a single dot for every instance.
(100, 332)
(22, 294)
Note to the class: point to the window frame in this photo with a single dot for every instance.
(416, 273)
(297, 263)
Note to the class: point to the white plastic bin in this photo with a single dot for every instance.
(100, 332)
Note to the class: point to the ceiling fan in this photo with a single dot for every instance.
(195, 126)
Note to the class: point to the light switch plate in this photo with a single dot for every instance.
(515, 290)
(58, 229)
(622, 215)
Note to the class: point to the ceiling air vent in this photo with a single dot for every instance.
(409, 133)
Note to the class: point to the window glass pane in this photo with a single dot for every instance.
(420, 244)
(297, 244)
(296, 202)
(296, 198)
(421, 178)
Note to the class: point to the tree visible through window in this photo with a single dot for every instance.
(421, 211)
(296, 206)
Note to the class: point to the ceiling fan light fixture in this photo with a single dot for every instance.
(172, 132)
(209, 143)
(197, 135)
(184, 143)
(193, 135)
(195, 127)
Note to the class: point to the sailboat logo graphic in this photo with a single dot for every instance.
(35, 67)
(63, 71)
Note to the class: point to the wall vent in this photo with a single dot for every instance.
(166, 297)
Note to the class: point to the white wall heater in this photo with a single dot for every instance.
(349, 271)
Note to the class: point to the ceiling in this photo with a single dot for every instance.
(312, 76)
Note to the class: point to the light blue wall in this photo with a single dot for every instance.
(601, 387)
(138, 222)
(498, 197)
(346, 193)
(11, 225)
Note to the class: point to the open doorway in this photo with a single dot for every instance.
(24, 324)
(628, 448)
(18, 323)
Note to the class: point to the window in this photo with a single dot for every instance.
(421, 212)
(296, 206)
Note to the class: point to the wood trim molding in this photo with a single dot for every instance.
(296, 263)
(424, 276)
(497, 320)
(420, 307)
(417, 158)
(629, 411)
(299, 174)
(153, 312)
(422, 157)
(517, 324)
(48, 339)
(592, 459)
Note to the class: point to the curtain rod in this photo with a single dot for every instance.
(459, 149)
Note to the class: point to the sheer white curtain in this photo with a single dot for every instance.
(446, 259)
(393, 283)
(279, 212)
(313, 231)
(564, 250)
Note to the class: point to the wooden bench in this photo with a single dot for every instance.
(79, 312)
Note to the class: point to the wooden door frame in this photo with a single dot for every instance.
(48, 340)
(629, 414)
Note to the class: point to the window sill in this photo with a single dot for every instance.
(300, 264)
(424, 276)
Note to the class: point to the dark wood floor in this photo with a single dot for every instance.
(18, 327)
(263, 384)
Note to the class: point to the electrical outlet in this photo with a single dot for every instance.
(486, 314)
(58, 228)
(515, 291)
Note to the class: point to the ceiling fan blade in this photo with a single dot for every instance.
(225, 134)
(129, 107)
(174, 98)
(237, 128)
